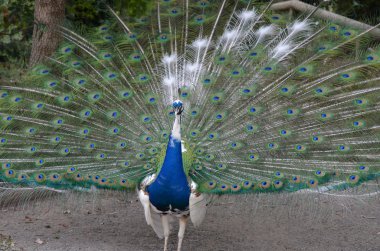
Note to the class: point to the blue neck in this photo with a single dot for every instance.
(171, 189)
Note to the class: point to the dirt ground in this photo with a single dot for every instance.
(115, 221)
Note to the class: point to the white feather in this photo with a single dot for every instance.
(169, 81)
(156, 222)
(247, 15)
(144, 199)
(281, 49)
(230, 34)
(192, 67)
(200, 43)
(298, 26)
(198, 208)
(168, 59)
(265, 31)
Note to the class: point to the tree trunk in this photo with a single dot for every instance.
(48, 15)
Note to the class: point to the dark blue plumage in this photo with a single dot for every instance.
(171, 190)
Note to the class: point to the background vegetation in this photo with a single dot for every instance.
(17, 21)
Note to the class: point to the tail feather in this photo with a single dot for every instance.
(272, 102)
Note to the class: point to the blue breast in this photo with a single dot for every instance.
(171, 189)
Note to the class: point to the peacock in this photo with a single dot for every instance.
(198, 99)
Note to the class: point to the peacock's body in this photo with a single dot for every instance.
(199, 98)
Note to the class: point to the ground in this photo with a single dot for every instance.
(115, 221)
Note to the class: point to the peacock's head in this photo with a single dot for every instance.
(178, 106)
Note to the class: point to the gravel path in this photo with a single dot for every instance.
(113, 222)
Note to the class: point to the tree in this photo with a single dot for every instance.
(48, 15)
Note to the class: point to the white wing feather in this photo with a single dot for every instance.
(198, 208)
(144, 199)
(156, 222)
(152, 218)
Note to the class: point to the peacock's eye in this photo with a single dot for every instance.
(347, 33)
(268, 68)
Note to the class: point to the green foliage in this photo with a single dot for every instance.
(131, 8)
(16, 25)
(367, 11)
(94, 12)
(85, 12)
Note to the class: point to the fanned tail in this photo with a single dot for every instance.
(272, 102)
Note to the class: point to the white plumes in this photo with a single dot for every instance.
(230, 34)
(281, 49)
(200, 43)
(192, 67)
(299, 26)
(247, 15)
(266, 30)
(169, 81)
(289, 43)
(169, 59)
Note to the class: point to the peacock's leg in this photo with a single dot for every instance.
(165, 226)
(181, 232)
